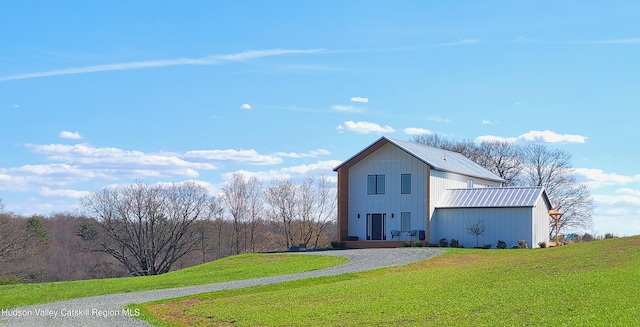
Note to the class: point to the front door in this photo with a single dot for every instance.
(375, 224)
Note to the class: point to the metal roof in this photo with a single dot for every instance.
(492, 197)
(438, 159)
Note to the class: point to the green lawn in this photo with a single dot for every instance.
(244, 266)
(594, 284)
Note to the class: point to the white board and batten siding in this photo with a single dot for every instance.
(508, 214)
(391, 162)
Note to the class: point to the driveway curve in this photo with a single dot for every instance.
(107, 310)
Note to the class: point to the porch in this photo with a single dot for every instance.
(379, 244)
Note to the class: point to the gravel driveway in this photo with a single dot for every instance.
(106, 310)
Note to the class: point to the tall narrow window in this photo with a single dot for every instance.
(469, 183)
(405, 181)
(405, 221)
(375, 184)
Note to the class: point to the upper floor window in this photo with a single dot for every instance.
(375, 184)
(405, 183)
(469, 183)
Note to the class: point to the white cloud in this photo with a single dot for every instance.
(598, 178)
(310, 154)
(343, 108)
(364, 127)
(493, 138)
(548, 136)
(416, 131)
(359, 99)
(234, 156)
(65, 193)
(209, 60)
(294, 172)
(545, 136)
(340, 129)
(486, 122)
(245, 106)
(70, 135)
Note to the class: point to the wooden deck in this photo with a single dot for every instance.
(377, 244)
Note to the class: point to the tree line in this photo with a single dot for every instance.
(142, 229)
(529, 165)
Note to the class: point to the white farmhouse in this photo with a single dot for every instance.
(394, 190)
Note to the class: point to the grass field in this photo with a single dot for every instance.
(239, 267)
(593, 284)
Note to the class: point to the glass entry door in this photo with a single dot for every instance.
(375, 226)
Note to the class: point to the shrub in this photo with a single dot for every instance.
(8, 280)
(609, 235)
(501, 244)
(443, 242)
(454, 243)
(487, 246)
(542, 244)
(522, 244)
(407, 244)
(417, 244)
(338, 244)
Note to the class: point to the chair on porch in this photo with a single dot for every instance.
(395, 233)
(412, 234)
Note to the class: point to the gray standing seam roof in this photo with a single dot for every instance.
(440, 159)
(491, 197)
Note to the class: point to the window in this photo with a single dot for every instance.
(375, 184)
(405, 183)
(469, 183)
(405, 221)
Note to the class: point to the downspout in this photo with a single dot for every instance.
(428, 181)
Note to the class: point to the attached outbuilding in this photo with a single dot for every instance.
(509, 214)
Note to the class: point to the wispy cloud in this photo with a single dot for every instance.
(343, 108)
(364, 127)
(359, 99)
(459, 42)
(209, 60)
(545, 136)
(310, 154)
(610, 41)
(594, 42)
(416, 131)
(70, 135)
(486, 122)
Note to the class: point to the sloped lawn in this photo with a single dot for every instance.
(246, 266)
(589, 284)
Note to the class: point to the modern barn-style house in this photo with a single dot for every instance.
(393, 191)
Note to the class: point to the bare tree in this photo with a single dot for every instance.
(476, 229)
(302, 213)
(21, 246)
(281, 198)
(255, 212)
(239, 200)
(317, 208)
(552, 170)
(146, 228)
(502, 158)
(529, 165)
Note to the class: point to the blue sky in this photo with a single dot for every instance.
(107, 93)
